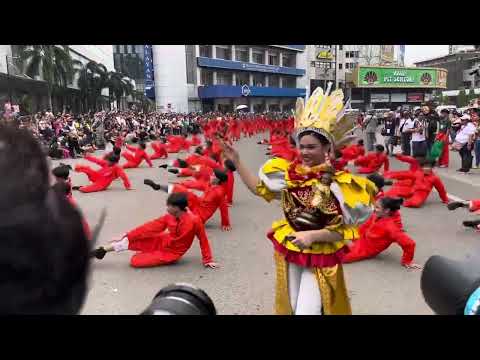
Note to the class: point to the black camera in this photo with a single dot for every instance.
(181, 299)
(451, 287)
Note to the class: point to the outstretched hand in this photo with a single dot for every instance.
(230, 153)
(412, 266)
(226, 228)
(212, 265)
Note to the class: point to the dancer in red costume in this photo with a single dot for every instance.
(196, 139)
(164, 240)
(352, 152)
(404, 178)
(102, 178)
(472, 206)
(134, 160)
(372, 162)
(160, 150)
(229, 168)
(213, 198)
(61, 174)
(423, 181)
(382, 229)
(175, 143)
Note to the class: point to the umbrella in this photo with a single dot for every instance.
(241, 107)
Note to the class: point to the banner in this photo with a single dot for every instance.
(148, 70)
(387, 77)
(386, 54)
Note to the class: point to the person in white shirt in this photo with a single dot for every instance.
(464, 142)
(419, 143)
(406, 124)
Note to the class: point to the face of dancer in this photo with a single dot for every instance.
(312, 150)
(174, 210)
(380, 211)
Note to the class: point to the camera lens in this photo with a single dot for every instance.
(181, 299)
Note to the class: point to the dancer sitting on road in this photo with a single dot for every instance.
(164, 240)
(214, 197)
(135, 159)
(472, 206)
(115, 151)
(372, 162)
(159, 148)
(422, 183)
(352, 152)
(101, 179)
(382, 229)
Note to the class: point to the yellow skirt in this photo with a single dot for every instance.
(331, 283)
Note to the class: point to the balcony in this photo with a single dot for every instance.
(228, 91)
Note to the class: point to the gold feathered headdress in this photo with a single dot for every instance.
(324, 114)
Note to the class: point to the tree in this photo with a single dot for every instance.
(462, 98)
(52, 62)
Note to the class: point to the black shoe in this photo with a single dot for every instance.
(163, 166)
(455, 205)
(152, 184)
(173, 171)
(76, 187)
(98, 253)
(472, 224)
(268, 154)
(387, 182)
(462, 170)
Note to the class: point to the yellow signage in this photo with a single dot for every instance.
(325, 55)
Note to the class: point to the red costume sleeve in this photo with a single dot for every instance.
(437, 183)
(131, 148)
(149, 229)
(401, 175)
(124, 178)
(409, 160)
(405, 242)
(147, 158)
(95, 160)
(204, 244)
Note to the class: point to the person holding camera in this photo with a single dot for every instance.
(405, 126)
(389, 132)
(464, 141)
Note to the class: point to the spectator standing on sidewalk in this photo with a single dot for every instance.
(464, 143)
(405, 127)
(419, 142)
(474, 115)
(389, 132)
(370, 126)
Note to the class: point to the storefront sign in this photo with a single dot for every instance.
(325, 55)
(379, 98)
(415, 97)
(387, 77)
(148, 69)
(399, 97)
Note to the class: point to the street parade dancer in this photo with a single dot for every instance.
(159, 148)
(164, 240)
(322, 209)
(139, 154)
(373, 161)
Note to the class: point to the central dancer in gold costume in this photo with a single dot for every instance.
(322, 209)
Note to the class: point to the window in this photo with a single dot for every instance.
(224, 78)
(273, 81)
(289, 82)
(224, 52)
(132, 48)
(323, 64)
(241, 53)
(243, 78)
(258, 80)
(288, 60)
(313, 63)
(190, 63)
(323, 46)
(340, 47)
(347, 54)
(206, 51)
(356, 53)
(117, 47)
(340, 66)
(258, 56)
(273, 58)
(206, 77)
(125, 49)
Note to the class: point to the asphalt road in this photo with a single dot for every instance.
(245, 282)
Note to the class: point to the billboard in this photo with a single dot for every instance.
(148, 71)
(386, 54)
(325, 55)
(388, 77)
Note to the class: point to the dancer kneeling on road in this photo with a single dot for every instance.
(164, 240)
(373, 161)
(214, 197)
(382, 229)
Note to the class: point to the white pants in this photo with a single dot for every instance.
(303, 291)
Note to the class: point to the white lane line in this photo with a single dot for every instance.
(455, 198)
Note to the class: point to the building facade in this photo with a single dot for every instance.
(222, 77)
(16, 86)
(130, 60)
(453, 49)
(321, 65)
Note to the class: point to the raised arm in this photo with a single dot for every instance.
(249, 179)
(95, 160)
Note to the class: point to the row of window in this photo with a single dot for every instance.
(351, 54)
(329, 65)
(242, 78)
(128, 49)
(242, 53)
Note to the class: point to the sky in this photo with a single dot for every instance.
(415, 53)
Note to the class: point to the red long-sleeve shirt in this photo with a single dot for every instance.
(373, 161)
(377, 234)
(106, 175)
(424, 182)
(181, 232)
(139, 155)
(160, 150)
(101, 162)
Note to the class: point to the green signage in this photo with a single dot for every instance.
(383, 77)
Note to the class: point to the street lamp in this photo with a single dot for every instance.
(8, 77)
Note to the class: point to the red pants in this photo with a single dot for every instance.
(359, 252)
(99, 185)
(87, 170)
(194, 184)
(445, 157)
(150, 252)
(474, 205)
(417, 199)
